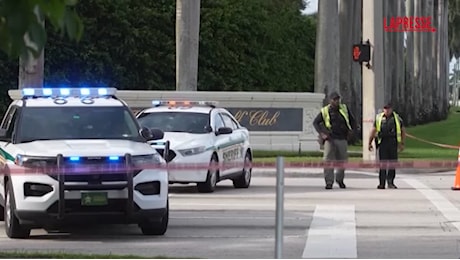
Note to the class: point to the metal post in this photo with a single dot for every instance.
(279, 207)
(130, 185)
(61, 179)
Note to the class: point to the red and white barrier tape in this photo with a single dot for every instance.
(106, 169)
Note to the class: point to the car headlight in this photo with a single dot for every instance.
(34, 161)
(146, 160)
(192, 151)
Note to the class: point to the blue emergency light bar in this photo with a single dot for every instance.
(68, 92)
(181, 103)
(77, 158)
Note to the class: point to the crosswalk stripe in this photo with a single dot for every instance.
(332, 233)
(449, 210)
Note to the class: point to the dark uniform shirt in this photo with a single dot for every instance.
(388, 127)
(339, 128)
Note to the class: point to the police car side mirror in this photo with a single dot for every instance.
(224, 131)
(157, 134)
(146, 133)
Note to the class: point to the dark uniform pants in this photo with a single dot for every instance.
(388, 151)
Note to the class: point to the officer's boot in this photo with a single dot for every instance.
(391, 185)
(382, 178)
(391, 178)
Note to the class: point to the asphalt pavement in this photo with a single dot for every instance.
(420, 219)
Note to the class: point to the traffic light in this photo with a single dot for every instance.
(362, 52)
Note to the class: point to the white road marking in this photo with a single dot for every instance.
(332, 233)
(448, 209)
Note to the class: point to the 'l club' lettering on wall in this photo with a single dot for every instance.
(269, 119)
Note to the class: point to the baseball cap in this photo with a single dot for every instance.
(387, 105)
(334, 95)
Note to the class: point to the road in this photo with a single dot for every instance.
(421, 219)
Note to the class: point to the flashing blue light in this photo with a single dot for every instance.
(85, 92)
(47, 92)
(114, 158)
(156, 102)
(74, 158)
(28, 92)
(102, 91)
(65, 91)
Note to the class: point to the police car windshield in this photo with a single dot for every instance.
(189, 122)
(49, 123)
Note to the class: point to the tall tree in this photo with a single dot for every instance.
(187, 42)
(23, 17)
(327, 47)
(454, 27)
(350, 71)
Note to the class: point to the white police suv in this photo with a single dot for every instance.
(77, 156)
(206, 143)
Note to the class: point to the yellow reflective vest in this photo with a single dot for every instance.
(327, 119)
(378, 125)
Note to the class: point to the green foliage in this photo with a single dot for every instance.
(127, 45)
(24, 17)
(255, 45)
(8, 78)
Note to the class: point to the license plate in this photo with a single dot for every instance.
(94, 198)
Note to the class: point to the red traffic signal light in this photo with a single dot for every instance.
(362, 52)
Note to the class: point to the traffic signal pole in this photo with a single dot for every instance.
(372, 73)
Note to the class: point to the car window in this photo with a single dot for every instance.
(229, 121)
(218, 122)
(41, 123)
(8, 118)
(188, 122)
(9, 124)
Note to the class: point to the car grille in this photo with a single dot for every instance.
(171, 154)
(94, 170)
(74, 206)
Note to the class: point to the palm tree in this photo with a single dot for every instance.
(326, 56)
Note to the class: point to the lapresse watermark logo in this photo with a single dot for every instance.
(408, 24)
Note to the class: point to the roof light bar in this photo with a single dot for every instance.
(173, 103)
(114, 158)
(68, 92)
(74, 158)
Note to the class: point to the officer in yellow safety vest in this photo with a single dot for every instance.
(335, 124)
(389, 134)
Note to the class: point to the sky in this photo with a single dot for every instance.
(313, 8)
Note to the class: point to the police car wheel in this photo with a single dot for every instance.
(156, 228)
(212, 177)
(244, 180)
(12, 227)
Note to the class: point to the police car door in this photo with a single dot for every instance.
(7, 127)
(232, 151)
(220, 140)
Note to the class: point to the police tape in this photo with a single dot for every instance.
(432, 143)
(112, 169)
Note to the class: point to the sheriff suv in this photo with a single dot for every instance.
(78, 155)
(206, 143)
